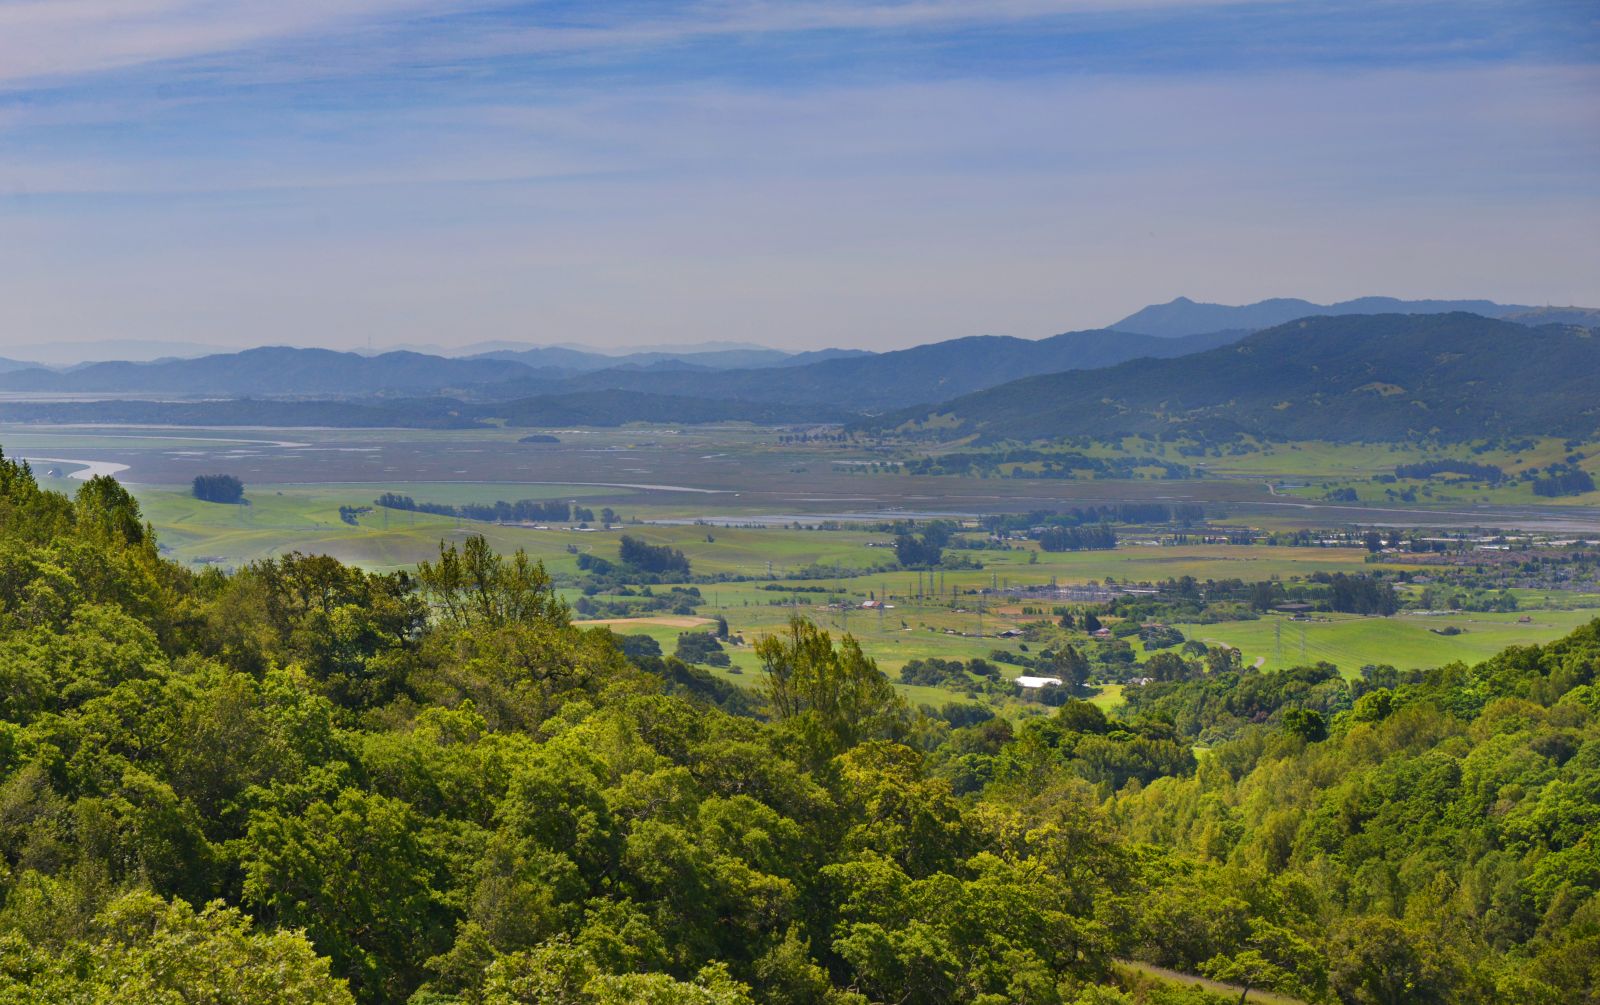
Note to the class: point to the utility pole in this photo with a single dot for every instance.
(1277, 640)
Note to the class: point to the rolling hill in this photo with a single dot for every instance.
(1380, 377)
(271, 370)
(891, 380)
(820, 385)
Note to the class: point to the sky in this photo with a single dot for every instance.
(797, 174)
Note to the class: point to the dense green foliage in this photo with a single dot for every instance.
(701, 647)
(1097, 537)
(1489, 473)
(1566, 480)
(303, 783)
(218, 488)
(500, 511)
(1443, 835)
(657, 559)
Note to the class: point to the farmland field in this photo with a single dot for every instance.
(1405, 641)
(789, 528)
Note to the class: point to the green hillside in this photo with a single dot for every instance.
(1375, 377)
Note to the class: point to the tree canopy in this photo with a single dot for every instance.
(306, 784)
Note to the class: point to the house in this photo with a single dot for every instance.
(872, 605)
(1038, 682)
(1011, 633)
(1100, 633)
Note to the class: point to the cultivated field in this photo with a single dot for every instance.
(801, 528)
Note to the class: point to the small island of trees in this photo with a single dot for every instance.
(218, 489)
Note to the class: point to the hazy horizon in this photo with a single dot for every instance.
(802, 176)
(69, 353)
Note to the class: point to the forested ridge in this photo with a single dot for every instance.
(1389, 377)
(303, 783)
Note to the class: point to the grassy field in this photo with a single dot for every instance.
(1221, 992)
(297, 480)
(306, 518)
(1406, 641)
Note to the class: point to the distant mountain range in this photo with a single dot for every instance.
(831, 382)
(276, 370)
(1353, 377)
(1187, 317)
(924, 374)
(64, 354)
(994, 386)
(581, 361)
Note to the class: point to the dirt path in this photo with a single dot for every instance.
(1215, 987)
(663, 621)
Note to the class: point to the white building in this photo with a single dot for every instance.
(1035, 682)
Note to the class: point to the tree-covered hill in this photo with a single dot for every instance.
(304, 784)
(1376, 377)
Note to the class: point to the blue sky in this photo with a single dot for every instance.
(798, 174)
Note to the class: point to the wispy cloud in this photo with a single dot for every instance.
(809, 172)
(59, 38)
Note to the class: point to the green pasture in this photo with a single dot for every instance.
(1407, 641)
(947, 620)
(890, 654)
(306, 518)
